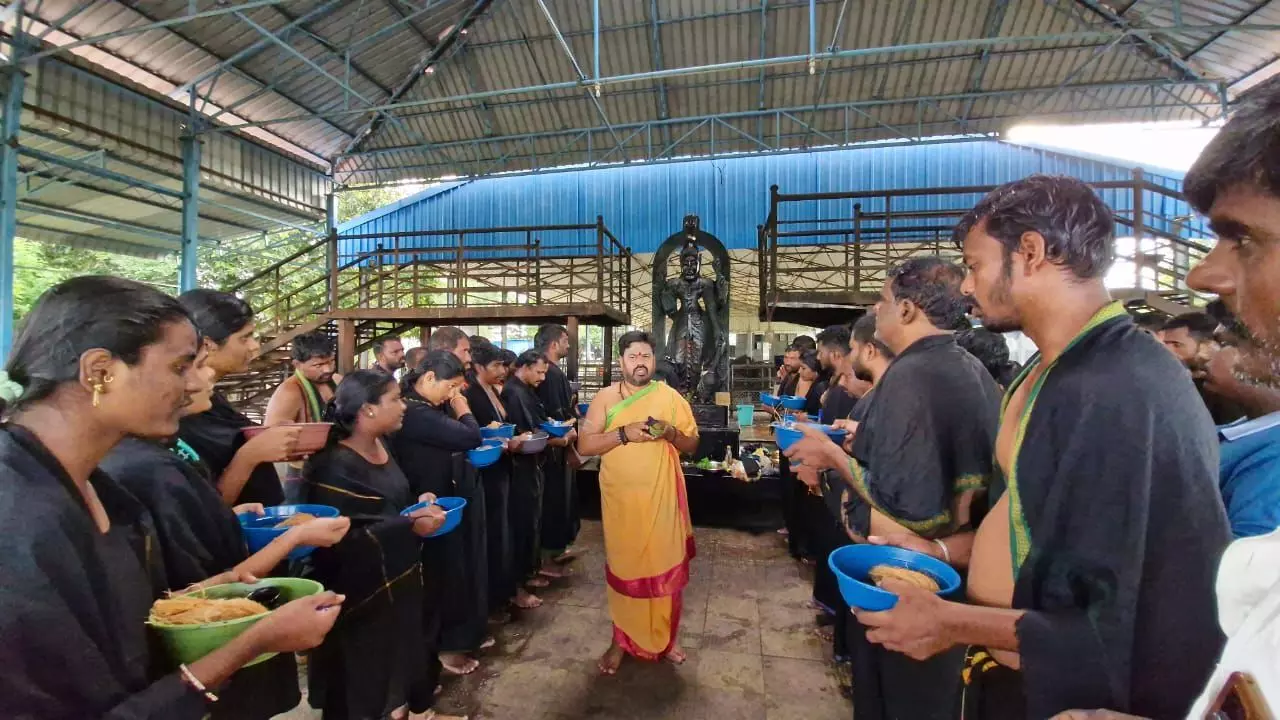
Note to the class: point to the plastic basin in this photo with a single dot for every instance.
(791, 402)
(188, 643)
(786, 435)
(311, 439)
(452, 507)
(557, 428)
(852, 563)
(582, 409)
(769, 399)
(485, 455)
(259, 530)
(502, 431)
(837, 435)
(536, 443)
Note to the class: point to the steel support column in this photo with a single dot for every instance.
(14, 83)
(190, 210)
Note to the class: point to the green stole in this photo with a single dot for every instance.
(314, 412)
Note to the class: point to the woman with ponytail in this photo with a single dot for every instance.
(438, 429)
(100, 359)
(217, 434)
(373, 664)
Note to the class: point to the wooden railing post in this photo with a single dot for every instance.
(600, 259)
(346, 346)
(857, 247)
(1139, 225)
(333, 270)
(460, 282)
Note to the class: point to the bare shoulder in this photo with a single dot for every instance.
(607, 397)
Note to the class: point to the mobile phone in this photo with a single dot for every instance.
(1240, 699)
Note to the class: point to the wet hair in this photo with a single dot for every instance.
(443, 363)
(802, 343)
(413, 356)
(835, 337)
(485, 353)
(548, 334)
(809, 358)
(312, 345)
(1246, 151)
(381, 343)
(635, 336)
(446, 338)
(508, 356)
(864, 333)
(933, 285)
(992, 351)
(1200, 326)
(530, 357)
(217, 315)
(357, 389)
(1078, 228)
(94, 311)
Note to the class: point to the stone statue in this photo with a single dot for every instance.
(697, 344)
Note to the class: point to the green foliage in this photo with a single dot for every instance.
(40, 265)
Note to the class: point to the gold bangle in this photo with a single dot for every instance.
(195, 684)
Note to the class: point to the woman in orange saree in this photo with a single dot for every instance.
(645, 511)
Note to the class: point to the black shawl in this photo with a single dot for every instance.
(927, 437)
(216, 436)
(1116, 517)
(73, 601)
(556, 395)
(200, 537)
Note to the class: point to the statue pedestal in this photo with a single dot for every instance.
(715, 435)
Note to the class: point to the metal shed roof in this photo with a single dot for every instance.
(398, 89)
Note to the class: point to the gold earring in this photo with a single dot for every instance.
(99, 387)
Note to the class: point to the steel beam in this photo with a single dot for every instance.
(190, 210)
(990, 28)
(640, 77)
(1160, 52)
(1014, 92)
(14, 84)
(593, 91)
(219, 9)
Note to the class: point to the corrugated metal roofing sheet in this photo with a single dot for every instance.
(643, 205)
(365, 51)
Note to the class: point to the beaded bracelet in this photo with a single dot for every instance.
(195, 684)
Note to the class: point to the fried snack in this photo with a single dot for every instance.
(295, 519)
(880, 573)
(195, 610)
(494, 425)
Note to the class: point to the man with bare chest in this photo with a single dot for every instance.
(1090, 579)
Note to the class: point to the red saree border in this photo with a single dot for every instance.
(622, 640)
(674, 580)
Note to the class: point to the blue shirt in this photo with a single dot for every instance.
(1250, 474)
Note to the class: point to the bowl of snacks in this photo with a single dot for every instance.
(259, 530)
(194, 624)
(533, 443)
(452, 507)
(487, 454)
(496, 429)
(862, 569)
(557, 428)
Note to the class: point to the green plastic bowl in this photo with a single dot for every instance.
(188, 643)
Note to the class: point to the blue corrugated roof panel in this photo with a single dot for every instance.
(643, 204)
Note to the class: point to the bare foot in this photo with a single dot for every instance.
(538, 582)
(784, 532)
(458, 664)
(433, 715)
(526, 600)
(554, 573)
(569, 555)
(675, 655)
(824, 633)
(611, 659)
(488, 642)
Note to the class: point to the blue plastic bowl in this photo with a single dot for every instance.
(485, 455)
(452, 507)
(852, 563)
(557, 428)
(786, 436)
(769, 399)
(791, 402)
(502, 431)
(582, 409)
(259, 530)
(837, 435)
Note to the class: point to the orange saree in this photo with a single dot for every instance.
(647, 533)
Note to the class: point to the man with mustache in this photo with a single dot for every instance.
(302, 397)
(639, 428)
(1090, 578)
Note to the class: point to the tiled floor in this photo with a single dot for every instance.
(752, 652)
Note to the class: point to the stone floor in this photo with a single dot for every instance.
(752, 651)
